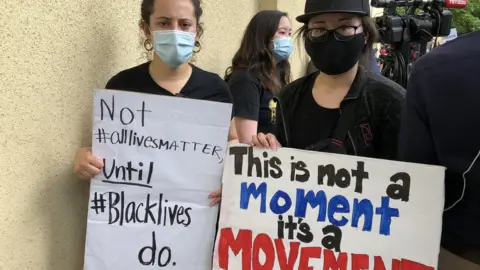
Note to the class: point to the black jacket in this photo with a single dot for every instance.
(441, 126)
(377, 103)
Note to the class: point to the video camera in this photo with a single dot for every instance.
(405, 33)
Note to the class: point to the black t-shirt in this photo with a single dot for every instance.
(312, 122)
(201, 84)
(252, 101)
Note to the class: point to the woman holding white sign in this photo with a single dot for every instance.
(342, 108)
(172, 29)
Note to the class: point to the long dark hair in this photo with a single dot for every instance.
(370, 31)
(255, 55)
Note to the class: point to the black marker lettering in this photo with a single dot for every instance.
(342, 178)
(127, 174)
(111, 110)
(162, 259)
(332, 241)
(238, 152)
(399, 191)
(360, 174)
(153, 210)
(253, 162)
(206, 149)
(124, 116)
(275, 169)
(305, 235)
(143, 111)
(299, 166)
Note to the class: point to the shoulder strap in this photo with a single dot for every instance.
(372, 119)
(345, 122)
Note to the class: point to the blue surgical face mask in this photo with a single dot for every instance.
(173, 47)
(282, 48)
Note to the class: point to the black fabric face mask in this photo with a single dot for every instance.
(335, 57)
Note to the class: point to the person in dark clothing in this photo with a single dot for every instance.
(342, 108)
(440, 126)
(259, 69)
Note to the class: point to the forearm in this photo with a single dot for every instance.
(232, 133)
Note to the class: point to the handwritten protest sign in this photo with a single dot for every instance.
(149, 206)
(293, 209)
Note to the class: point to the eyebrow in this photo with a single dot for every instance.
(169, 18)
(340, 20)
(162, 18)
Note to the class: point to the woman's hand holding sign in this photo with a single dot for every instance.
(87, 166)
(266, 141)
(216, 197)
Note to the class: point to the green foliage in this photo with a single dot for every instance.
(402, 10)
(468, 19)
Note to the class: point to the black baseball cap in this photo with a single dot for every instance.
(317, 7)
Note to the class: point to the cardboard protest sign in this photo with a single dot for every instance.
(149, 206)
(294, 209)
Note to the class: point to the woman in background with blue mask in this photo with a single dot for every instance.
(172, 29)
(259, 69)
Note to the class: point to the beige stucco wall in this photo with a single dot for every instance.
(52, 54)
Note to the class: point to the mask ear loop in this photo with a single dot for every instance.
(464, 188)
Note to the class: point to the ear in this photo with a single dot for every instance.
(146, 30)
(366, 38)
(271, 45)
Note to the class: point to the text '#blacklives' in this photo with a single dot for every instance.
(154, 209)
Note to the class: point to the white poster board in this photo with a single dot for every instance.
(163, 156)
(294, 209)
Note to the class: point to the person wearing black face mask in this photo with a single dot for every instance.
(343, 108)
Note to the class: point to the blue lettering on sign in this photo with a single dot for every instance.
(365, 208)
(255, 192)
(338, 204)
(387, 213)
(314, 200)
(276, 207)
(336, 209)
